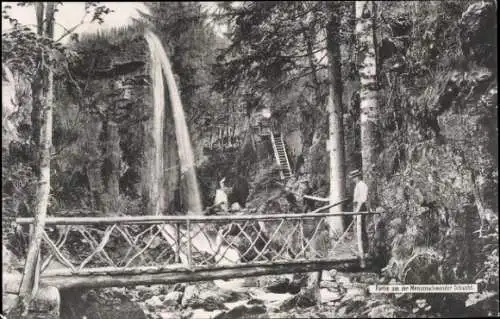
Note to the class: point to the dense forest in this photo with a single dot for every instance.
(405, 91)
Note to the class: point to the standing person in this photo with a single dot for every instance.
(221, 196)
(360, 204)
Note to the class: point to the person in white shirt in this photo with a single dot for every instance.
(360, 204)
(221, 196)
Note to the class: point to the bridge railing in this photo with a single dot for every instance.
(155, 244)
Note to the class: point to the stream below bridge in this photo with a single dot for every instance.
(343, 294)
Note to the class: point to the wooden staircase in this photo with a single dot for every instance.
(280, 154)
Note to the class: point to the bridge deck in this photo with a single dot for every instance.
(134, 250)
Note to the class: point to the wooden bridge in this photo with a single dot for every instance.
(136, 250)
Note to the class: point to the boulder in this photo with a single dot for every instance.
(168, 315)
(332, 285)
(386, 311)
(210, 297)
(278, 285)
(9, 260)
(191, 293)
(326, 276)
(11, 281)
(351, 306)
(201, 314)
(46, 304)
(328, 296)
(342, 279)
(244, 311)
(9, 301)
(212, 300)
(154, 303)
(305, 298)
(173, 298)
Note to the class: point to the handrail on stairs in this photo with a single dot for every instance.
(286, 155)
(275, 150)
(277, 155)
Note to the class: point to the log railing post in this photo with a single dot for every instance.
(178, 248)
(189, 248)
(359, 239)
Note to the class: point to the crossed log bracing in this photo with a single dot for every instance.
(184, 246)
(146, 245)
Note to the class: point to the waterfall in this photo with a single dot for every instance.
(204, 240)
(156, 193)
(186, 157)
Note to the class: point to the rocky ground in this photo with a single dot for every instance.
(342, 295)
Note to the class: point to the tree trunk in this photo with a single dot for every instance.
(336, 126)
(311, 117)
(368, 91)
(29, 282)
(37, 96)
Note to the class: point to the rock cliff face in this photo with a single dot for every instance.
(115, 69)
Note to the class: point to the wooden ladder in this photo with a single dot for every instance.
(280, 155)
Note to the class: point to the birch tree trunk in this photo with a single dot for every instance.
(335, 116)
(365, 32)
(29, 281)
(37, 96)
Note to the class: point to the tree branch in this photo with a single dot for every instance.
(72, 29)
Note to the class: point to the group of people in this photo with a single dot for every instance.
(360, 203)
(221, 200)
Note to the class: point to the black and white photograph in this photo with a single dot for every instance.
(250, 159)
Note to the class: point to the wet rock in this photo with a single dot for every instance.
(168, 315)
(153, 303)
(9, 301)
(173, 298)
(278, 285)
(179, 287)
(271, 300)
(46, 304)
(475, 24)
(11, 281)
(211, 299)
(201, 314)
(9, 260)
(251, 282)
(144, 292)
(332, 285)
(327, 276)
(351, 306)
(328, 296)
(386, 311)
(342, 280)
(190, 293)
(305, 298)
(244, 311)
(255, 301)
(231, 284)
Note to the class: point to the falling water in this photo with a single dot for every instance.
(202, 240)
(157, 192)
(186, 156)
